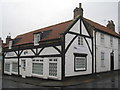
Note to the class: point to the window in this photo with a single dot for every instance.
(15, 67)
(80, 62)
(102, 59)
(53, 69)
(102, 38)
(7, 67)
(36, 39)
(37, 68)
(111, 41)
(80, 40)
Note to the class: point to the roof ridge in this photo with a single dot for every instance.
(96, 23)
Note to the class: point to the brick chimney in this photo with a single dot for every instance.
(78, 11)
(111, 25)
(8, 39)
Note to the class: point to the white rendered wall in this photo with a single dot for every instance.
(11, 54)
(107, 49)
(50, 51)
(27, 52)
(76, 27)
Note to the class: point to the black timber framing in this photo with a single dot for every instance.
(88, 45)
(16, 53)
(63, 59)
(33, 52)
(86, 27)
(78, 34)
(31, 46)
(18, 62)
(40, 51)
(74, 21)
(80, 27)
(57, 49)
(3, 61)
(32, 56)
(70, 43)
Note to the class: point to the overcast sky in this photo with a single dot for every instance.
(21, 16)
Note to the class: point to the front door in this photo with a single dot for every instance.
(23, 68)
(112, 61)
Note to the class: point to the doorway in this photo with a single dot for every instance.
(112, 61)
(23, 68)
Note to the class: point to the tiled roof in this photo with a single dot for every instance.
(56, 31)
(102, 28)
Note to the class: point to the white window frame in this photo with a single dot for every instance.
(37, 38)
(80, 41)
(102, 59)
(102, 37)
(53, 61)
(79, 57)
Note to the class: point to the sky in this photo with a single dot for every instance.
(22, 16)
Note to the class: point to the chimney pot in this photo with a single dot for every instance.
(111, 25)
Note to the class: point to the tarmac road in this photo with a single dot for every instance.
(111, 82)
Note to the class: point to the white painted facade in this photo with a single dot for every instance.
(49, 66)
(107, 49)
(26, 64)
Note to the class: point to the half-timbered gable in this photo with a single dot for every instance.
(78, 45)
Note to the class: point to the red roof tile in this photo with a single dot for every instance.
(56, 31)
(102, 28)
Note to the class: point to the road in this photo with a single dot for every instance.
(111, 82)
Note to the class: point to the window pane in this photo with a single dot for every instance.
(80, 63)
(53, 69)
(80, 40)
(7, 67)
(37, 68)
(15, 67)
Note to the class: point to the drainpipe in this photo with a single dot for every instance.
(95, 50)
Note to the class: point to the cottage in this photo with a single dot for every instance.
(76, 47)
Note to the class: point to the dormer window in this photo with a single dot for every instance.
(37, 38)
(40, 35)
(10, 44)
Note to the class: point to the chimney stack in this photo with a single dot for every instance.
(8, 39)
(78, 11)
(111, 25)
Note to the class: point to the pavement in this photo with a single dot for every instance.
(70, 81)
